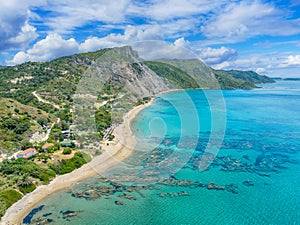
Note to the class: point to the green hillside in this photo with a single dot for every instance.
(175, 75)
(192, 70)
(17, 124)
(249, 76)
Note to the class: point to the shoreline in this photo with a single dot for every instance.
(111, 155)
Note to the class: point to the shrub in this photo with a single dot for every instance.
(16, 110)
(111, 137)
(7, 198)
(67, 151)
(68, 165)
(27, 189)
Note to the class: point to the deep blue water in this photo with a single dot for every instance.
(248, 142)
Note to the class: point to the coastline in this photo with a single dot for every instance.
(112, 155)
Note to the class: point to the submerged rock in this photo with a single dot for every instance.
(42, 221)
(248, 183)
(119, 203)
(128, 196)
(70, 213)
(173, 194)
(213, 186)
(233, 188)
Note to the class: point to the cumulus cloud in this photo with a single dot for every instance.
(51, 47)
(260, 70)
(213, 56)
(131, 34)
(181, 42)
(150, 50)
(15, 30)
(291, 61)
(27, 34)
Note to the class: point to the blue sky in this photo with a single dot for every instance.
(263, 36)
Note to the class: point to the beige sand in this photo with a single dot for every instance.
(111, 156)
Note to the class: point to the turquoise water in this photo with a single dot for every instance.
(257, 167)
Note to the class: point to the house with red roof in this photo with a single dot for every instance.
(27, 153)
(47, 145)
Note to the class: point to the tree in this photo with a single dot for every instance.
(26, 144)
(67, 151)
(16, 110)
(10, 124)
(21, 128)
(42, 121)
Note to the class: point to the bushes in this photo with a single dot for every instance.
(23, 167)
(67, 151)
(103, 118)
(7, 198)
(27, 189)
(111, 137)
(18, 126)
(68, 165)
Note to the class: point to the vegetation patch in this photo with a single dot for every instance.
(7, 198)
(68, 165)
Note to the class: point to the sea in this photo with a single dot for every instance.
(203, 157)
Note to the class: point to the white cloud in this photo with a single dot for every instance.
(131, 35)
(162, 50)
(173, 9)
(27, 34)
(70, 14)
(294, 60)
(265, 63)
(181, 42)
(222, 66)
(51, 47)
(171, 16)
(213, 56)
(19, 58)
(260, 70)
(240, 21)
(291, 61)
(15, 30)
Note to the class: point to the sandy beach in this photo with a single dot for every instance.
(112, 155)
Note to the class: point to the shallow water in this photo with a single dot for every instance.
(257, 164)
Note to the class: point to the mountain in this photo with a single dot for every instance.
(116, 76)
(208, 78)
(248, 76)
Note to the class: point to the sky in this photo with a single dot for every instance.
(263, 36)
